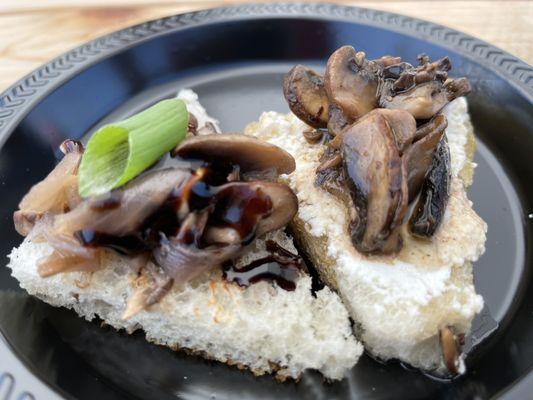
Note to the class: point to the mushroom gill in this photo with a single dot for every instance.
(429, 211)
(419, 156)
(423, 90)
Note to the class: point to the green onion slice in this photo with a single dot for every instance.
(118, 152)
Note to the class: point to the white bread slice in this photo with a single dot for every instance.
(261, 327)
(398, 303)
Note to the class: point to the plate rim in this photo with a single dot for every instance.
(19, 98)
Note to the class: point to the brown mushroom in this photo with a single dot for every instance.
(239, 211)
(337, 120)
(304, 91)
(331, 176)
(253, 208)
(402, 126)
(251, 154)
(313, 136)
(55, 193)
(351, 82)
(418, 158)
(138, 199)
(423, 101)
(423, 90)
(429, 211)
(377, 184)
(387, 61)
(451, 345)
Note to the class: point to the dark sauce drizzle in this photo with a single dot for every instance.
(280, 266)
(237, 207)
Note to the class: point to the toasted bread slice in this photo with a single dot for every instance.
(399, 303)
(261, 327)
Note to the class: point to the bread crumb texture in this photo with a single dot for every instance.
(399, 303)
(262, 327)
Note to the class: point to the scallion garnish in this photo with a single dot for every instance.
(118, 152)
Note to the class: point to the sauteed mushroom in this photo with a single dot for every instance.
(304, 91)
(251, 154)
(337, 120)
(240, 211)
(138, 200)
(451, 345)
(54, 193)
(351, 82)
(431, 206)
(377, 183)
(419, 156)
(423, 90)
(402, 126)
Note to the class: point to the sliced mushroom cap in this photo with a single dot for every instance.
(387, 61)
(337, 120)
(423, 101)
(284, 206)
(402, 125)
(251, 154)
(254, 208)
(429, 211)
(457, 88)
(304, 91)
(137, 200)
(418, 158)
(377, 183)
(351, 82)
(55, 193)
(451, 345)
(423, 90)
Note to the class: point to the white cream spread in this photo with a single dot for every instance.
(190, 99)
(399, 300)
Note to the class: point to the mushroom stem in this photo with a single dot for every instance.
(451, 345)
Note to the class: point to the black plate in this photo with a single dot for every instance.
(235, 58)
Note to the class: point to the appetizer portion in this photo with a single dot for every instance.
(383, 155)
(189, 247)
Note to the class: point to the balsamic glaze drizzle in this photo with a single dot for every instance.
(280, 266)
(237, 207)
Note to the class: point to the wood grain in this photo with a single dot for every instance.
(32, 32)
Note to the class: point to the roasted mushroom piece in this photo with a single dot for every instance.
(239, 212)
(423, 90)
(418, 158)
(377, 183)
(402, 126)
(429, 211)
(337, 120)
(351, 82)
(252, 155)
(253, 208)
(135, 202)
(55, 193)
(451, 345)
(304, 91)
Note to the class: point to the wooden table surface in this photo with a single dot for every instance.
(34, 31)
